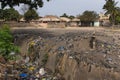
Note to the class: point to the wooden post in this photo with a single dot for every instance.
(92, 42)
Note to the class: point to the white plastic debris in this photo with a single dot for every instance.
(27, 59)
(70, 57)
(12, 53)
(42, 71)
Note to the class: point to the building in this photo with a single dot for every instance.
(22, 20)
(50, 19)
(75, 22)
(104, 19)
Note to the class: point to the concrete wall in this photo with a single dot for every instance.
(96, 23)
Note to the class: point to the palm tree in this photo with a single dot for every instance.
(111, 9)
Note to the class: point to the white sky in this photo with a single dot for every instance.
(70, 7)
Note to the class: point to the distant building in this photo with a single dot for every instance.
(104, 19)
(53, 21)
(96, 23)
(75, 22)
(70, 22)
(22, 20)
(64, 19)
(50, 19)
(102, 16)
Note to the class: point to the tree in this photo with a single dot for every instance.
(110, 7)
(71, 17)
(65, 15)
(117, 18)
(89, 16)
(11, 14)
(6, 43)
(31, 3)
(31, 14)
(2, 14)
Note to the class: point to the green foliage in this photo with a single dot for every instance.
(89, 16)
(2, 14)
(9, 14)
(31, 14)
(117, 19)
(31, 3)
(112, 9)
(65, 15)
(6, 44)
(71, 17)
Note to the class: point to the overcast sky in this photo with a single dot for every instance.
(71, 7)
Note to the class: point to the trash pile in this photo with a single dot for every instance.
(26, 72)
(82, 55)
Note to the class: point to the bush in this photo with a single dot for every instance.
(6, 43)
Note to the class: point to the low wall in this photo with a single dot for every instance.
(17, 24)
(56, 25)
